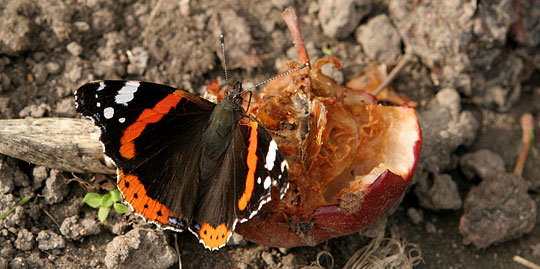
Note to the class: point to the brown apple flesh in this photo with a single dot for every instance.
(350, 159)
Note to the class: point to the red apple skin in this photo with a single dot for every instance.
(276, 230)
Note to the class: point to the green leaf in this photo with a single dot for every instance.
(92, 199)
(20, 203)
(120, 208)
(103, 212)
(326, 51)
(115, 195)
(106, 200)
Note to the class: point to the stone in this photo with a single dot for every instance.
(48, 240)
(53, 68)
(441, 194)
(74, 48)
(14, 34)
(483, 163)
(40, 73)
(379, 39)
(339, 18)
(55, 188)
(140, 248)
(25, 240)
(39, 174)
(415, 215)
(76, 228)
(497, 210)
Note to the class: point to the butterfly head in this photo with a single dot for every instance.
(233, 99)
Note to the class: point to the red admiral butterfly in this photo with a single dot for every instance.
(184, 162)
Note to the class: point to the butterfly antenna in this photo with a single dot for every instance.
(276, 77)
(222, 39)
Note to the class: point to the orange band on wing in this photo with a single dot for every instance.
(152, 115)
(252, 166)
(214, 238)
(142, 204)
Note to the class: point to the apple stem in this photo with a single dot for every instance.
(290, 18)
(404, 60)
(527, 126)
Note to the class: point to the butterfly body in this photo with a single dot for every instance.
(185, 162)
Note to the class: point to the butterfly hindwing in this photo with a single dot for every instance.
(250, 168)
(268, 170)
(150, 131)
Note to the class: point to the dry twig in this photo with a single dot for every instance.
(527, 125)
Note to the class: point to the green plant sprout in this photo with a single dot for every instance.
(20, 203)
(327, 51)
(105, 202)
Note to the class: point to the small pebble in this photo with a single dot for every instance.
(74, 48)
(415, 215)
(52, 68)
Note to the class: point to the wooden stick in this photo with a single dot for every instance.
(60, 143)
(393, 73)
(527, 125)
(525, 262)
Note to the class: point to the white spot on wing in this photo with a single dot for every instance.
(259, 180)
(108, 112)
(271, 155)
(283, 165)
(126, 93)
(267, 182)
(98, 104)
(101, 86)
(121, 120)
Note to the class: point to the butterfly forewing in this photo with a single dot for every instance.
(150, 131)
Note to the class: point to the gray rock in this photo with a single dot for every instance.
(35, 111)
(289, 261)
(465, 44)
(40, 73)
(14, 34)
(444, 129)
(138, 59)
(48, 240)
(6, 249)
(25, 240)
(238, 38)
(415, 215)
(39, 174)
(339, 18)
(66, 107)
(53, 68)
(81, 26)
(11, 175)
(526, 30)
(441, 194)
(268, 258)
(380, 39)
(75, 228)
(3, 263)
(74, 48)
(140, 248)
(55, 188)
(18, 263)
(497, 210)
(483, 163)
